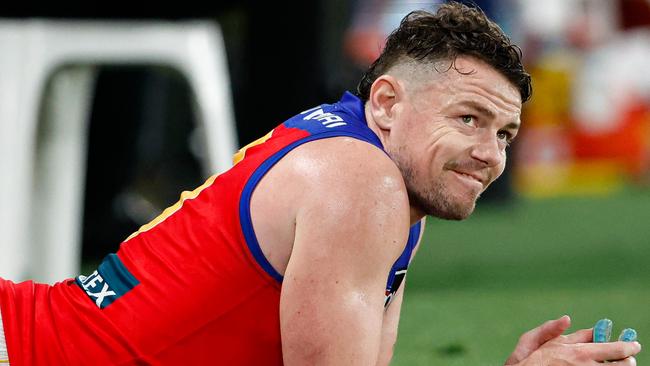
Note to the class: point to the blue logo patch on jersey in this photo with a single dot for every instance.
(108, 283)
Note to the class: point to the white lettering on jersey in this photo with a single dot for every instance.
(328, 120)
(101, 295)
(92, 285)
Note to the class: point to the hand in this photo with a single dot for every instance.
(533, 339)
(545, 346)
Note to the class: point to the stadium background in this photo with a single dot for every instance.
(564, 232)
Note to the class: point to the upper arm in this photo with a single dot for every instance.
(350, 227)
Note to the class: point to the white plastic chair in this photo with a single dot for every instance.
(41, 192)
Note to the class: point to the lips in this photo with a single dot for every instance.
(472, 176)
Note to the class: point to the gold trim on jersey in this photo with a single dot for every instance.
(241, 154)
(186, 195)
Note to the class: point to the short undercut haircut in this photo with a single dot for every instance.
(454, 30)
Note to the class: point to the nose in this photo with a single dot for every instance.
(487, 150)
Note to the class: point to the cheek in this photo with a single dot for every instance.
(498, 170)
(448, 144)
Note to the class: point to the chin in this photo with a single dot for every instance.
(444, 207)
(442, 200)
(457, 214)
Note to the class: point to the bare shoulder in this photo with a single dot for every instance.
(337, 189)
(355, 191)
(347, 168)
(340, 165)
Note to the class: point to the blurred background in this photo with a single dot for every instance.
(564, 231)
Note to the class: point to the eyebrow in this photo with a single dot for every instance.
(489, 113)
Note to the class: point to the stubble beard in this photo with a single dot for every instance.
(434, 199)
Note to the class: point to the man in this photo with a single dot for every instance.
(298, 254)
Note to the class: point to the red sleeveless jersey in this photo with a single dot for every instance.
(190, 288)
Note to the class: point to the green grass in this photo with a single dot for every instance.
(477, 285)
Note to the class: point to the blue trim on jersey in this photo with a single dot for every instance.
(348, 114)
(354, 105)
(404, 259)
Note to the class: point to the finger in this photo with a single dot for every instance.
(612, 350)
(580, 336)
(547, 331)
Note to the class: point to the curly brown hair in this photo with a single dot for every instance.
(454, 30)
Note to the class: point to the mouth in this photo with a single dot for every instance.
(471, 178)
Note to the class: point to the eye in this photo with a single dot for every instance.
(505, 136)
(468, 120)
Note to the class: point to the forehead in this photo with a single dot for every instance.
(465, 78)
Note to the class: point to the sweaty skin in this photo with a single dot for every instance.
(333, 215)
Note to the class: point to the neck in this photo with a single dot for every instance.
(416, 214)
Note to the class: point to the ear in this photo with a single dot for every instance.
(385, 93)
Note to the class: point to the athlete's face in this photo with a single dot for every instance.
(450, 135)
